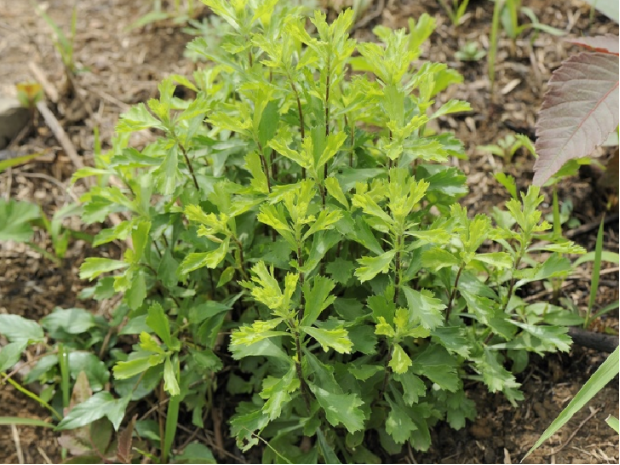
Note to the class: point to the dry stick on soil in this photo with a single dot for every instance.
(20, 454)
(574, 433)
(46, 459)
(590, 226)
(60, 134)
(39, 75)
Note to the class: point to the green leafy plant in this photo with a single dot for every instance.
(510, 12)
(179, 11)
(508, 146)
(455, 9)
(18, 218)
(64, 44)
(506, 16)
(470, 52)
(298, 225)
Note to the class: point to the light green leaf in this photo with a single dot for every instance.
(334, 189)
(254, 165)
(259, 330)
(452, 106)
(372, 266)
(137, 119)
(124, 370)
(171, 385)
(337, 338)
(324, 221)
(400, 361)
(212, 259)
(18, 329)
(94, 266)
(15, 218)
(317, 298)
(157, 320)
(383, 328)
(340, 408)
(11, 353)
(333, 144)
(277, 392)
(438, 258)
(501, 260)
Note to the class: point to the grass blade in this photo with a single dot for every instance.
(602, 376)
(596, 271)
(17, 421)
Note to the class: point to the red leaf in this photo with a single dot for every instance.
(604, 44)
(124, 442)
(579, 111)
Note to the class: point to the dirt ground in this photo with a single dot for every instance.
(121, 67)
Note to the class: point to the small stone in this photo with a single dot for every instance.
(13, 118)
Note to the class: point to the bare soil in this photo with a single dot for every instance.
(122, 67)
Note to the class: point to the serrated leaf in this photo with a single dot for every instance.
(137, 119)
(337, 338)
(212, 259)
(324, 221)
(340, 408)
(277, 392)
(317, 298)
(372, 266)
(400, 361)
(399, 424)
(438, 258)
(334, 189)
(259, 330)
(424, 307)
(578, 113)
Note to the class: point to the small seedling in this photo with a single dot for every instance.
(470, 52)
(455, 9)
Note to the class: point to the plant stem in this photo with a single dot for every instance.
(265, 166)
(302, 126)
(302, 382)
(189, 163)
(453, 294)
(302, 304)
(327, 110)
(386, 377)
(397, 270)
(512, 281)
(241, 257)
